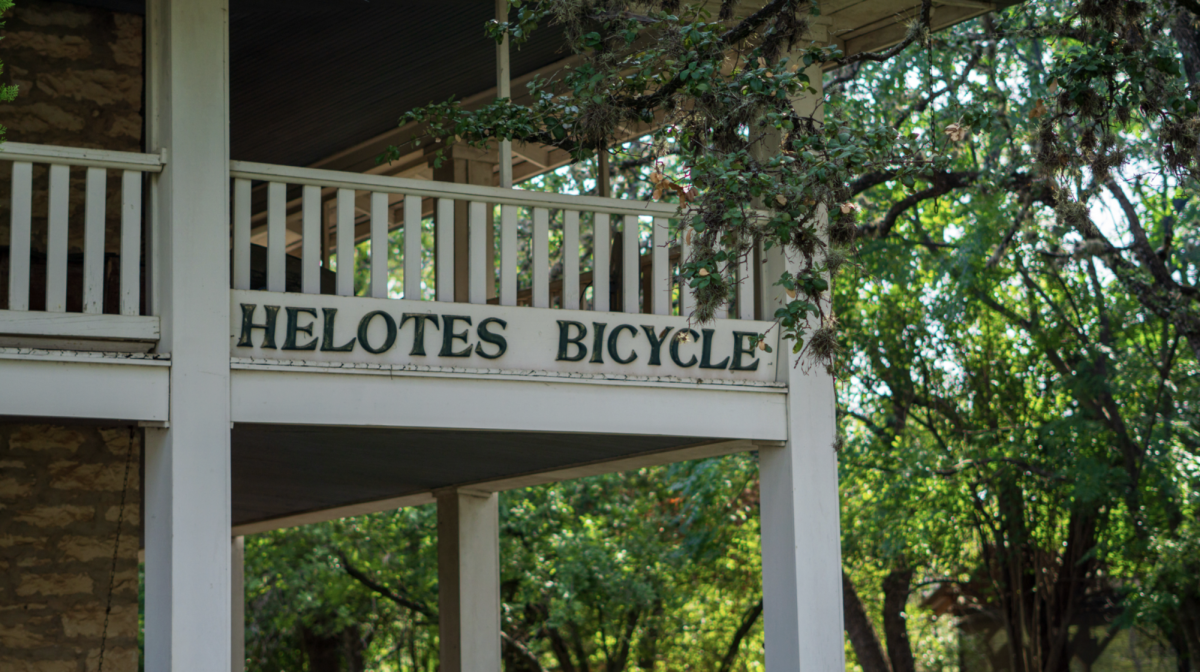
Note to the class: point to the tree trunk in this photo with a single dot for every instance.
(323, 651)
(748, 621)
(862, 635)
(895, 622)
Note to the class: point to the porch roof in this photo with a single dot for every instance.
(310, 79)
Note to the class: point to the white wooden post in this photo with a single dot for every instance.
(237, 602)
(801, 542)
(469, 580)
(187, 523)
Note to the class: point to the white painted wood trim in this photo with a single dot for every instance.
(94, 388)
(95, 195)
(444, 250)
(379, 245)
(452, 190)
(508, 255)
(77, 156)
(601, 240)
(276, 237)
(20, 234)
(79, 325)
(570, 260)
(131, 242)
(56, 243)
(660, 267)
(745, 288)
(687, 296)
(241, 234)
(541, 258)
(310, 244)
(477, 230)
(412, 248)
(468, 525)
(345, 242)
(630, 265)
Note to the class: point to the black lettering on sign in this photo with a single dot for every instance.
(565, 341)
(294, 329)
(327, 341)
(656, 343)
(598, 343)
(364, 325)
(706, 353)
(692, 335)
(248, 326)
(492, 337)
(448, 336)
(738, 341)
(418, 347)
(612, 344)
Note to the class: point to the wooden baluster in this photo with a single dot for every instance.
(660, 267)
(56, 243)
(345, 242)
(379, 245)
(601, 234)
(412, 247)
(310, 243)
(20, 234)
(630, 265)
(276, 237)
(95, 195)
(745, 289)
(687, 300)
(541, 258)
(241, 234)
(131, 242)
(570, 260)
(477, 225)
(444, 262)
(508, 255)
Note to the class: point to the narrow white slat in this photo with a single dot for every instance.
(241, 234)
(660, 267)
(745, 289)
(477, 252)
(131, 242)
(630, 265)
(570, 260)
(508, 255)
(56, 244)
(412, 247)
(20, 235)
(379, 245)
(687, 301)
(276, 237)
(345, 242)
(444, 265)
(541, 258)
(722, 311)
(310, 243)
(95, 195)
(601, 237)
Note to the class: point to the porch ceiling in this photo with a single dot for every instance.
(288, 470)
(311, 79)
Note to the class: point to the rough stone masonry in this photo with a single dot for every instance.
(61, 493)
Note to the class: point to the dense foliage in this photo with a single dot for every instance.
(1014, 208)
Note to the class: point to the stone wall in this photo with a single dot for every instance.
(61, 489)
(79, 74)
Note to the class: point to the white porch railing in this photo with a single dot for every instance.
(296, 207)
(53, 320)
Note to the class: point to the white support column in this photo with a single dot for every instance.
(237, 603)
(801, 541)
(187, 478)
(504, 90)
(469, 580)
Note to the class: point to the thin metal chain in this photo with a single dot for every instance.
(112, 577)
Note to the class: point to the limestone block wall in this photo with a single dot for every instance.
(79, 74)
(61, 492)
